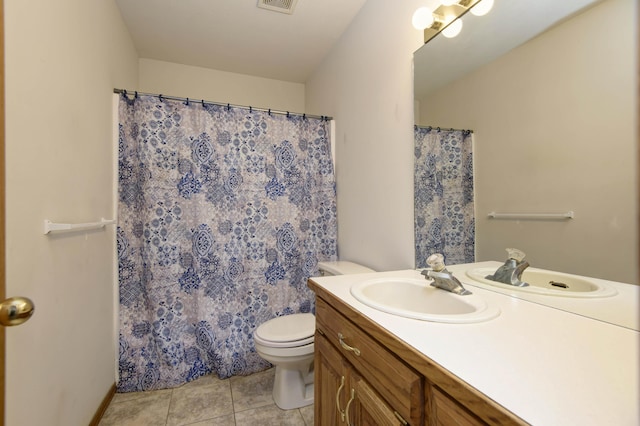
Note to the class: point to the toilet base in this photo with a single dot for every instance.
(293, 388)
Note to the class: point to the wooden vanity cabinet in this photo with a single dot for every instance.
(345, 396)
(366, 382)
(366, 376)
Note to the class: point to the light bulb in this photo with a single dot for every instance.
(453, 29)
(482, 7)
(448, 2)
(422, 18)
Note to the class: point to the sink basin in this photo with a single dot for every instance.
(547, 283)
(415, 298)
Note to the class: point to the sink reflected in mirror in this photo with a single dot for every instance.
(415, 298)
(547, 283)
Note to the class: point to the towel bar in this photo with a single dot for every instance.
(53, 227)
(567, 215)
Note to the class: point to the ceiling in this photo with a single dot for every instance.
(237, 36)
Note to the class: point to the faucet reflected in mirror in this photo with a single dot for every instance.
(511, 272)
(540, 111)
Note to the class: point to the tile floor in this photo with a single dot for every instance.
(207, 401)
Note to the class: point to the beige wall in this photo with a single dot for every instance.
(63, 60)
(366, 84)
(555, 130)
(201, 83)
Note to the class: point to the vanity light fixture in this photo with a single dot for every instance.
(482, 7)
(453, 29)
(422, 18)
(446, 18)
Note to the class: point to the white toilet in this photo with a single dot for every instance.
(287, 343)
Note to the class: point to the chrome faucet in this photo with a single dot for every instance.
(511, 272)
(441, 277)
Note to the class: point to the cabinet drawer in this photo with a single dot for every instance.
(397, 383)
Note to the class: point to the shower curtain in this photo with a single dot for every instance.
(443, 192)
(223, 214)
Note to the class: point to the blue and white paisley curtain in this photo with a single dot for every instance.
(223, 215)
(443, 192)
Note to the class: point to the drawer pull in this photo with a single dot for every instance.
(347, 347)
(346, 409)
(338, 399)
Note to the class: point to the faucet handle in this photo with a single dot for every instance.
(436, 262)
(514, 253)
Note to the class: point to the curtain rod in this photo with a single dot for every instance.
(250, 108)
(438, 128)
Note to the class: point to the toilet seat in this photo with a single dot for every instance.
(286, 331)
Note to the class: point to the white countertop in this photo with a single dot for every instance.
(546, 365)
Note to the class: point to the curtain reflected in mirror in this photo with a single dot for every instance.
(444, 211)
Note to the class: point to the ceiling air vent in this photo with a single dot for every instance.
(283, 6)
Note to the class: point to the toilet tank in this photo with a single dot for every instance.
(342, 267)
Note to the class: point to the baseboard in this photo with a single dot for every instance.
(103, 407)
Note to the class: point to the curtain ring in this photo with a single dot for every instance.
(203, 103)
(250, 109)
(136, 95)
(160, 97)
(438, 129)
(187, 101)
(304, 116)
(228, 107)
(287, 114)
(269, 111)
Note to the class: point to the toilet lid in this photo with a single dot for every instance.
(288, 328)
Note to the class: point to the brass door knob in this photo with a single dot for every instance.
(15, 311)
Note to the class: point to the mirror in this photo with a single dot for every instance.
(549, 90)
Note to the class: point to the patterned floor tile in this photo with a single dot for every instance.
(141, 408)
(228, 420)
(307, 414)
(252, 391)
(207, 401)
(269, 415)
(203, 399)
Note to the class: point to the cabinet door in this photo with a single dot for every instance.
(330, 384)
(367, 407)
